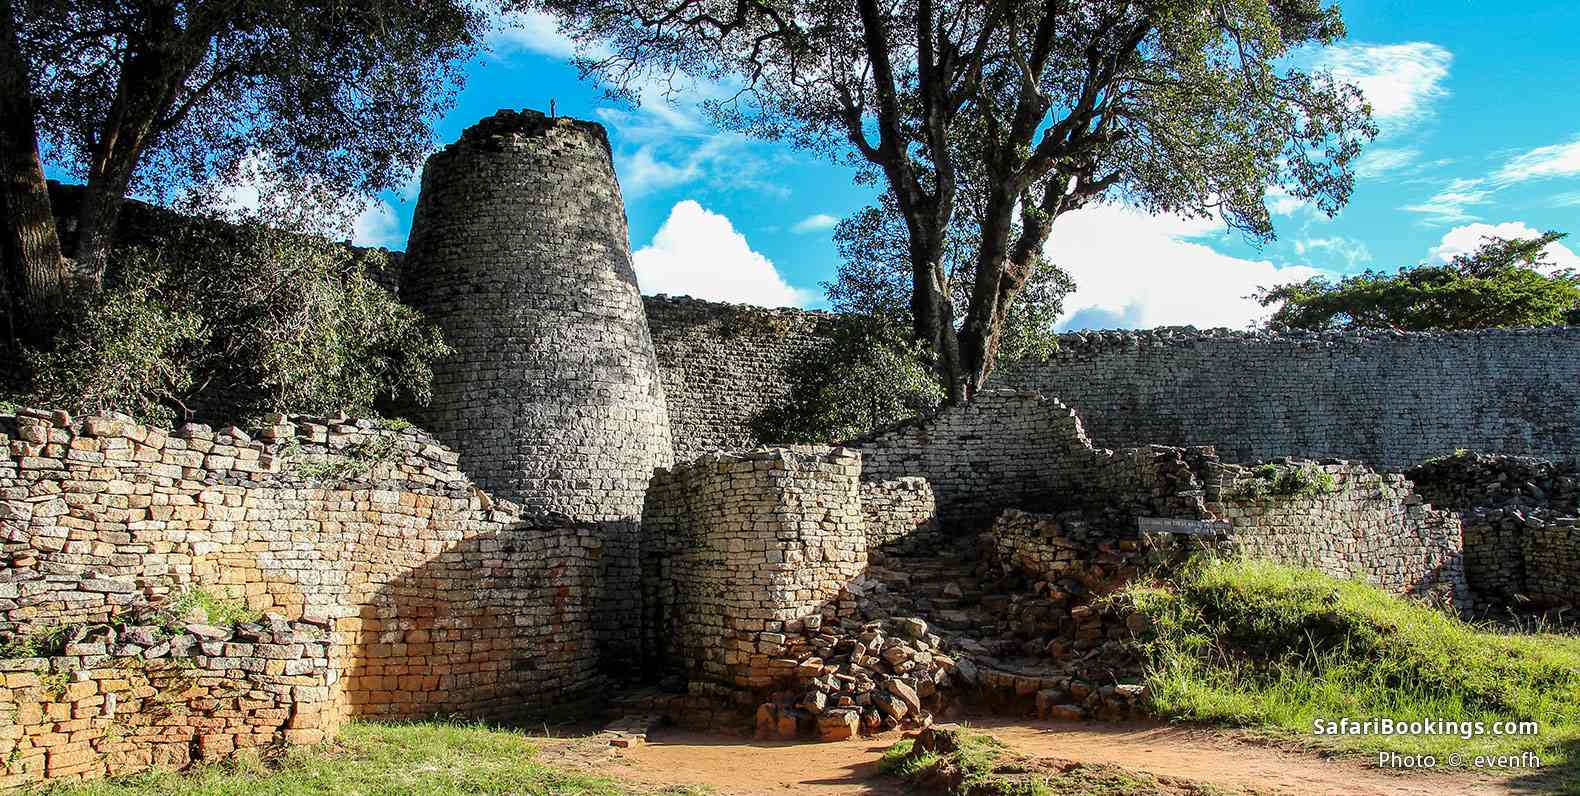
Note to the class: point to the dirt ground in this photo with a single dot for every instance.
(734, 766)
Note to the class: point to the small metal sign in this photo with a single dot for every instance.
(1187, 527)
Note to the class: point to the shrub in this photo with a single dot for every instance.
(869, 376)
(238, 320)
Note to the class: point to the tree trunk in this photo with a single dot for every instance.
(35, 271)
(158, 61)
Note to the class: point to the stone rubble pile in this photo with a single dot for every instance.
(860, 678)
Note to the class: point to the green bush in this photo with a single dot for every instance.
(234, 321)
(870, 375)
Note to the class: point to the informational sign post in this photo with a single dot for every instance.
(1183, 527)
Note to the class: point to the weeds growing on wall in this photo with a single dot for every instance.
(1256, 644)
(41, 642)
(1271, 480)
(229, 321)
(218, 610)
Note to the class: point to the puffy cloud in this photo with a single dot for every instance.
(1133, 270)
(815, 222)
(698, 253)
(1401, 81)
(1557, 160)
(1470, 237)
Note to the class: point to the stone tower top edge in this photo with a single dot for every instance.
(525, 122)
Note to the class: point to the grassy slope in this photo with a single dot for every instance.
(379, 760)
(1257, 644)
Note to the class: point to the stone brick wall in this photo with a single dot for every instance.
(1522, 526)
(900, 516)
(1370, 526)
(118, 708)
(519, 253)
(746, 547)
(1000, 450)
(440, 598)
(1017, 450)
(1389, 399)
(723, 364)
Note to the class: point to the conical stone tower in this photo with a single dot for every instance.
(553, 398)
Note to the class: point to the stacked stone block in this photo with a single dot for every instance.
(440, 598)
(756, 543)
(1522, 525)
(1391, 399)
(108, 709)
(901, 516)
(552, 396)
(999, 450)
(1370, 526)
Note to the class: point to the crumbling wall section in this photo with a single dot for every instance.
(1522, 526)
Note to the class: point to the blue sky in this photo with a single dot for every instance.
(1481, 134)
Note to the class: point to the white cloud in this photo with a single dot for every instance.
(1401, 81)
(1132, 270)
(698, 253)
(1557, 160)
(815, 222)
(1382, 161)
(1281, 203)
(1351, 251)
(1451, 205)
(1468, 238)
(377, 225)
(533, 31)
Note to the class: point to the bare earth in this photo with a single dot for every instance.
(735, 766)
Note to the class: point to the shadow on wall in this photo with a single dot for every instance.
(485, 627)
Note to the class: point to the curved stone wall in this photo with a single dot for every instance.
(519, 252)
(1391, 399)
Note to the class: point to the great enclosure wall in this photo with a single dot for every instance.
(584, 504)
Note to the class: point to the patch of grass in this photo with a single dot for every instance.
(434, 759)
(976, 764)
(1256, 644)
(221, 611)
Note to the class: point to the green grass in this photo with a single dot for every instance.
(432, 759)
(1259, 645)
(980, 765)
(221, 611)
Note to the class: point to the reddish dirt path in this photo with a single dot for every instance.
(734, 766)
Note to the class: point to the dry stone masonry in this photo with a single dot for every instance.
(1391, 399)
(111, 705)
(1522, 525)
(519, 252)
(824, 590)
(439, 598)
(724, 364)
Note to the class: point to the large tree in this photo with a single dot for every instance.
(1504, 283)
(152, 96)
(1185, 106)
